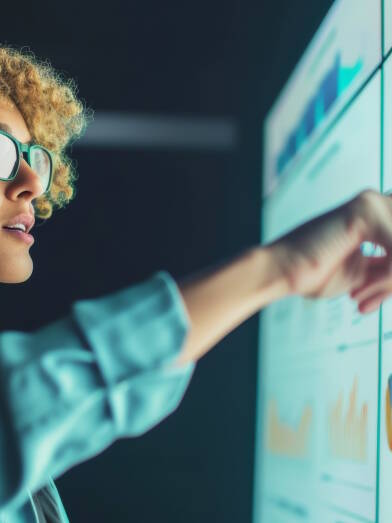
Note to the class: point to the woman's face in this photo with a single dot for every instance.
(16, 198)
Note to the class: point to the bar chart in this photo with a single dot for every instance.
(332, 87)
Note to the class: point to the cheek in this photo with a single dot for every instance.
(6, 209)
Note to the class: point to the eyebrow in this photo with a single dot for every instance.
(5, 127)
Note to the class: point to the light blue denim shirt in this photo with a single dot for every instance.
(70, 389)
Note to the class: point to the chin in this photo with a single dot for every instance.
(16, 272)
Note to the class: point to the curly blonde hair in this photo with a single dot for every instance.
(53, 114)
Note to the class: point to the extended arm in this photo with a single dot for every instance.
(319, 259)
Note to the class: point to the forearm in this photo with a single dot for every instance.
(221, 300)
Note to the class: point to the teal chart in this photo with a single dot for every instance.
(332, 87)
(342, 56)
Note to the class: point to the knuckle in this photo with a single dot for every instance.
(355, 216)
(367, 197)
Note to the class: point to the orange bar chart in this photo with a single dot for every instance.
(348, 429)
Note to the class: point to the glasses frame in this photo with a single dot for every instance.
(24, 149)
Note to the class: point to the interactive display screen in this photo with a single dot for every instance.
(388, 25)
(324, 406)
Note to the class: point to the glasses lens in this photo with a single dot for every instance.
(41, 163)
(8, 156)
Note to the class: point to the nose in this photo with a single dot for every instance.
(26, 184)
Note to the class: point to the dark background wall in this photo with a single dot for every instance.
(183, 210)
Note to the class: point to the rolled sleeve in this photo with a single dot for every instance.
(144, 386)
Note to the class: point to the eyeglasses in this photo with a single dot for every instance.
(38, 157)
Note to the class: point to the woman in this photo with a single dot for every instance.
(117, 365)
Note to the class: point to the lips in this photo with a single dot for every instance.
(19, 235)
(26, 219)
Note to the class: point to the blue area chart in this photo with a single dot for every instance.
(332, 86)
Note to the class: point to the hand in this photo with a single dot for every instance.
(322, 258)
